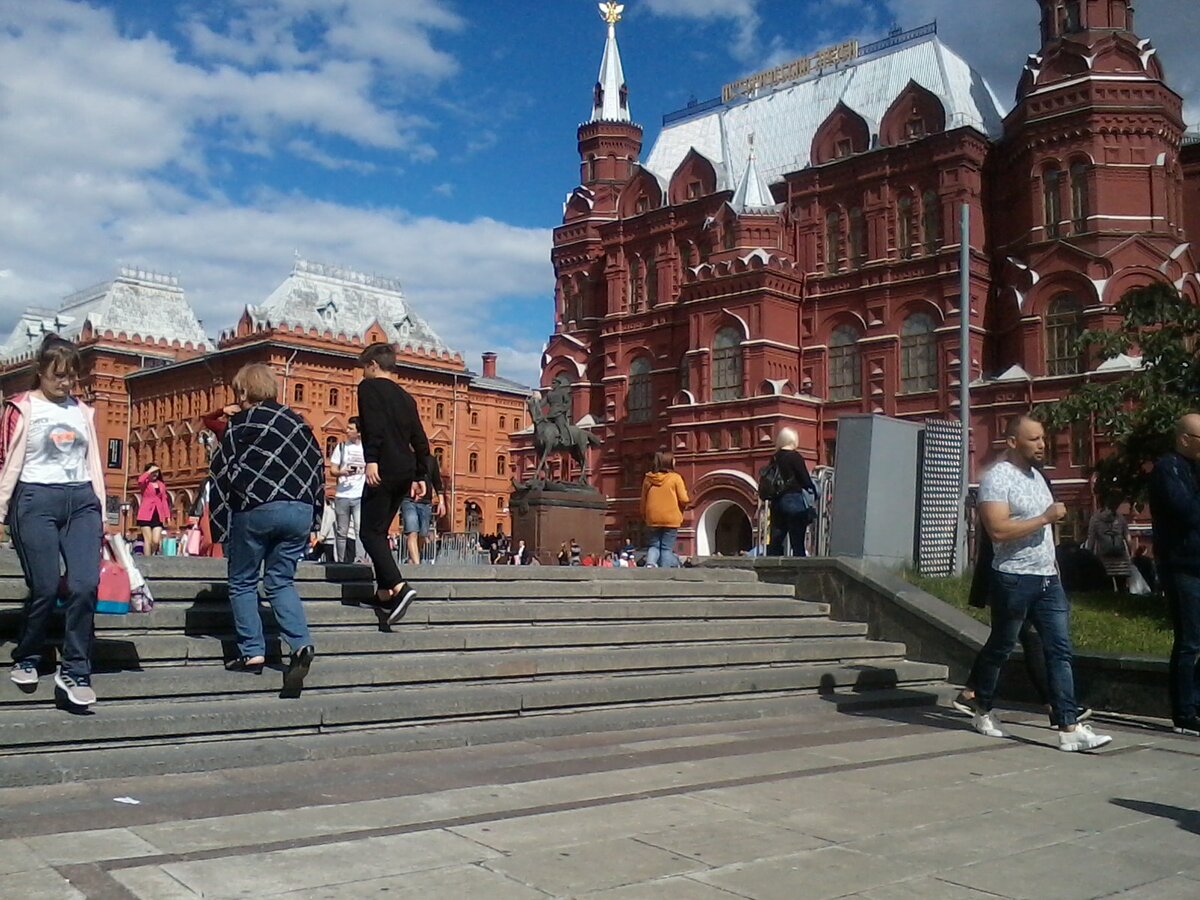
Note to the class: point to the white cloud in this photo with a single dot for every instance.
(743, 14)
(115, 147)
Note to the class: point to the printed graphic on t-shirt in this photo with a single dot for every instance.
(66, 446)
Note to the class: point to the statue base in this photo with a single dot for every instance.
(546, 516)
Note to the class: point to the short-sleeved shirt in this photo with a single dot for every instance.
(350, 456)
(56, 446)
(1027, 495)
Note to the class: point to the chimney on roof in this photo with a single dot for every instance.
(489, 365)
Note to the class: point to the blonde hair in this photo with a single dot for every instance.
(787, 439)
(255, 383)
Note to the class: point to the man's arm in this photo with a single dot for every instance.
(1000, 526)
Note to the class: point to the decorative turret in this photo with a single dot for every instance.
(753, 196)
(1061, 18)
(609, 142)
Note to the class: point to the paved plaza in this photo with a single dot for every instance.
(880, 805)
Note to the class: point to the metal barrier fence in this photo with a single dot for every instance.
(457, 548)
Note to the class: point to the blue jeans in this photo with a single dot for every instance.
(790, 515)
(1183, 595)
(272, 538)
(50, 522)
(417, 516)
(1041, 598)
(661, 551)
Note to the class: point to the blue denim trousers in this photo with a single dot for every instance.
(790, 516)
(270, 539)
(53, 523)
(1041, 599)
(661, 549)
(1183, 596)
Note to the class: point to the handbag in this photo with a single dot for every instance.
(114, 595)
(191, 546)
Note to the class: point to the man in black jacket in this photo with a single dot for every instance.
(395, 448)
(1175, 511)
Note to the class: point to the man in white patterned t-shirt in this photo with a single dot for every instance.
(1018, 512)
(349, 466)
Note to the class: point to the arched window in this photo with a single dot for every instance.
(1074, 17)
(651, 282)
(845, 364)
(298, 393)
(729, 236)
(1052, 201)
(833, 240)
(1064, 325)
(685, 374)
(474, 418)
(503, 422)
(331, 443)
(473, 463)
(906, 227)
(501, 465)
(500, 504)
(727, 365)
(640, 403)
(439, 453)
(933, 221)
(590, 175)
(474, 517)
(335, 397)
(858, 238)
(918, 355)
(1080, 208)
(439, 411)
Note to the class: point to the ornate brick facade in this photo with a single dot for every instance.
(150, 388)
(789, 253)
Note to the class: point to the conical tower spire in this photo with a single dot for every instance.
(611, 100)
(752, 194)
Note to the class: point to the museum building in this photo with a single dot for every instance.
(788, 253)
(151, 371)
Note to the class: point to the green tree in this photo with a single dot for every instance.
(1136, 411)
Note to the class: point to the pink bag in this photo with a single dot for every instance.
(115, 593)
(191, 546)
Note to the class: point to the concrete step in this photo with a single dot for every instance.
(234, 751)
(214, 616)
(22, 729)
(135, 650)
(207, 680)
(14, 591)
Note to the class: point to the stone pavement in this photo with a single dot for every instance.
(884, 805)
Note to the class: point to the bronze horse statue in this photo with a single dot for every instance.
(551, 436)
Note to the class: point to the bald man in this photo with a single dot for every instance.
(1018, 512)
(1175, 511)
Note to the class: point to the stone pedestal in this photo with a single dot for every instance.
(545, 517)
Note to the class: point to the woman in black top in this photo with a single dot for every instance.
(395, 448)
(791, 511)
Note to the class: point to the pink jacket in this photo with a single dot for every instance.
(12, 449)
(154, 499)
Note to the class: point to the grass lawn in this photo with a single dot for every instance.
(1101, 622)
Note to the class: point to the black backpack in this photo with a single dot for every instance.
(771, 481)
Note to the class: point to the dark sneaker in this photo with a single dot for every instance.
(293, 678)
(78, 688)
(965, 704)
(1082, 714)
(1189, 725)
(24, 672)
(403, 598)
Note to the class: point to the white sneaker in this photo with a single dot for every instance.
(987, 725)
(1082, 738)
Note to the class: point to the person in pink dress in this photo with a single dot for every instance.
(154, 509)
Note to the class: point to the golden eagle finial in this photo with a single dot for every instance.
(611, 11)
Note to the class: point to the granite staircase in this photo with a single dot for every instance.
(484, 654)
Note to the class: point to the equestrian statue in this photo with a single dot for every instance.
(554, 433)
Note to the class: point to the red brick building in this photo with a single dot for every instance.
(789, 252)
(151, 372)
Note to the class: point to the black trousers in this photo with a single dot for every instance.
(380, 504)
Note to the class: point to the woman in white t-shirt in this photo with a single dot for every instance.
(51, 497)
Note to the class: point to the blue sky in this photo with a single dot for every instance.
(430, 140)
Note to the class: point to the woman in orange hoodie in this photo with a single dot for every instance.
(664, 497)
